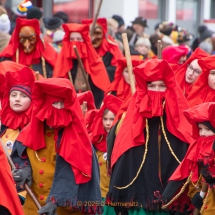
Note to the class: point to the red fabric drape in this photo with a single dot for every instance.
(91, 61)
(9, 197)
(201, 150)
(41, 49)
(123, 90)
(14, 120)
(142, 106)
(201, 92)
(181, 71)
(98, 137)
(74, 142)
(108, 44)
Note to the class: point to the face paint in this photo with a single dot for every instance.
(27, 38)
(97, 36)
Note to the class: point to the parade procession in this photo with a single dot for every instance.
(106, 114)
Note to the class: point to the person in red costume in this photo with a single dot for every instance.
(203, 90)
(151, 141)
(78, 34)
(120, 87)
(26, 47)
(63, 162)
(101, 125)
(187, 74)
(9, 201)
(105, 46)
(175, 54)
(186, 182)
(16, 107)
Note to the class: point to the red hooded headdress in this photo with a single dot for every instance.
(173, 54)
(147, 104)
(201, 150)
(74, 142)
(91, 61)
(41, 49)
(181, 71)
(108, 44)
(201, 92)
(99, 134)
(9, 197)
(11, 119)
(123, 90)
(87, 97)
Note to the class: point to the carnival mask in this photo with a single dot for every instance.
(97, 36)
(27, 38)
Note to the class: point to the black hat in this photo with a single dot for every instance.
(119, 19)
(204, 32)
(62, 16)
(141, 21)
(34, 13)
(166, 27)
(52, 23)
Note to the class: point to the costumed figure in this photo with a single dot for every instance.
(67, 63)
(203, 90)
(27, 48)
(16, 109)
(197, 168)
(101, 125)
(60, 159)
(120, 87)
(150, 143)
(105, 46)
(187, 74)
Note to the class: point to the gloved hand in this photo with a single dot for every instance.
(207, 176)
(197, 201)
(22, 176)
(48, 209)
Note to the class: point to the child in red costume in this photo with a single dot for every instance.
(100, 128)
(187, 181)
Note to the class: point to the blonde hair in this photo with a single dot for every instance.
(143, 41)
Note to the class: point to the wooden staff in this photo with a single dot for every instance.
(27, 188)
(37, 75)
(82, 67)
(95, 18)
(204, 189)
(84, 108)
(129, 63)
(159, 49)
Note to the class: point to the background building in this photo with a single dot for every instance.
(188, 14)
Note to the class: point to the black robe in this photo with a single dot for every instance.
(141, 192)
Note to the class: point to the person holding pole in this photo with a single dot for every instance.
(65, 172)
(92, 73)
(151, 142)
